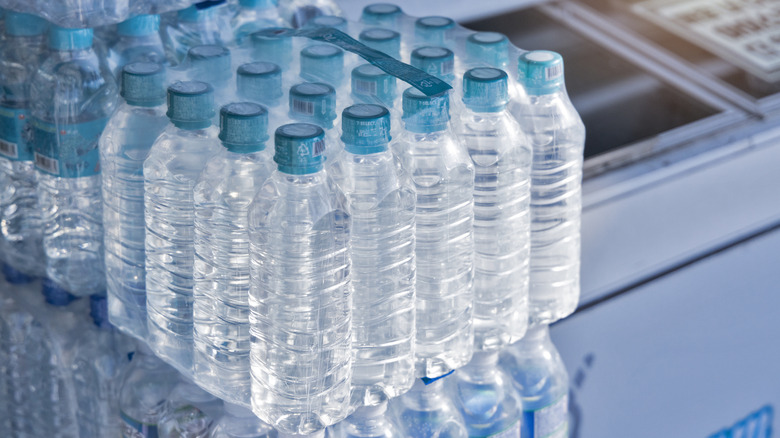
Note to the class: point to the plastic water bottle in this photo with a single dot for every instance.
(315, 103)
(436, 61)
(434, 31)
(253, 15)
(240, 422)
(277, 48)
(297, 13)
(222, 197)
(170, 173)
(210, 63)
(557, 137)
(539, 375)
(189, 412)
(323, 63)
(124, 146)
(367, 422)
(72, 96)
(138, 40)
(143, 393)
(261, 82)
(381, 200)
(486, 399)
(490, 48)
(21, 244)
(502, 162)
(385, 40)
(443, 178)
(385, 15)
(370, 84)
(334, 21)
(300, 296)
(207, 22)
(427, 412)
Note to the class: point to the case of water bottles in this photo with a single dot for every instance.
(306, 217)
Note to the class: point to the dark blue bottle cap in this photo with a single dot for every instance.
(371, 84)
(436, 61)
(366, 129)
(18, 24)
(428, 380)
(540, 72)
(273, 45)
(322, 62)
(300, 148)
(383, 14)
(191, 104)
(425, 114)
(143, 84)
(433, 30)
(12, 276)
(491, 48)
(98, 310)
(64, 39)
(333, 21)
(485, 89)
(260, 82)
(211, 62)
(313, 102)
(55, 295)
(140, 25)
(385, 40)
(243, 127)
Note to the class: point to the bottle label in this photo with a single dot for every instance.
(512, 432)
(551, 421)
(135, 429)
(14, 134)
(67, 151)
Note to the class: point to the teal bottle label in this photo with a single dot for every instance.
(551, 421)
(135, 429)
(67, 151)
(14, 134)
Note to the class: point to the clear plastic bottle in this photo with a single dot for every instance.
(277, 48)
(189, 412)
(240, 422)
(315, 103)
(334, 21)
(301, 306)
(381, 201)
(488, 48)
(384, 15)
(427, 412)
(436, 61)
(557, 137)
(138, 40)
(73, 94)
(486, 399)
(261, 82)
(385, 40)
(502, 158)
(253, 15)
(297, 13)
(170, 173)
(144, 390)
(370, 84)
(221, 270)
(539, 375)
(21, 244)
(124, 146)
(434, 31)
(367, 422)
(323, 63)
(443, 178)
(207, 22)
(210, 63)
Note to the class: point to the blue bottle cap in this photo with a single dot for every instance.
(199, 11)
(424, 114)
(258, 4)
(384, 40)
(18, 24)
(276, 48)
(433, 30)
(211, 62)
(243, 127)
(371, 84)
(333, 21)
(366, 129)
(55, 295)
(12, 276)
(98, 310)
(540, 72)
(64, 39)
(143, 84)
(485, 89)
(313, 102)
(260, 81)
(190, 104)
(491, 48)
(140, 25)
(436, 61)
(384, 14)
(322, 62)
(300, 148)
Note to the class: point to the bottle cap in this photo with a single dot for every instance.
(12, 276)
(491, 48)
(143, 84)
(64, 39)
(18, 24)
(243, 127)
(383, 14)
(140, 25)
(366, 129)
(273, 47)
(313, 102)
(329, 21)
(199, 11)
(258, 4)
(436, 61)
(540, 72)
(260, 81)
(55, 295)
(98, 310)
(191, 104)
(384, 40)
(211, 62)
(433, 30)
(485, 89)
(371, 84)
(300, 148)
(322, 62)
(424, 114)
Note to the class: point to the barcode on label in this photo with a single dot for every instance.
(447, 67)
(318, 149)
(47, 164)
(8, 149)
(553, 72)
(303, 107)
(365, 87)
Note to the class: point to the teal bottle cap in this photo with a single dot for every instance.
(433, 30)
(491, 48)
(299, 148)
(191, 104)
(22, 25)
(540, 72)
(371, 84)
(260, 81)
(384, 40)
(322, 62)
(211, 62)
(313, 102)
(143, 84)
(383, 14)
(366, 129)
(64, 39)
(243, 127)
(273, 45)
(333, 21)
(485, 89)
(258, 4)
(436, 61)
(140, 25)
(424, 114)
